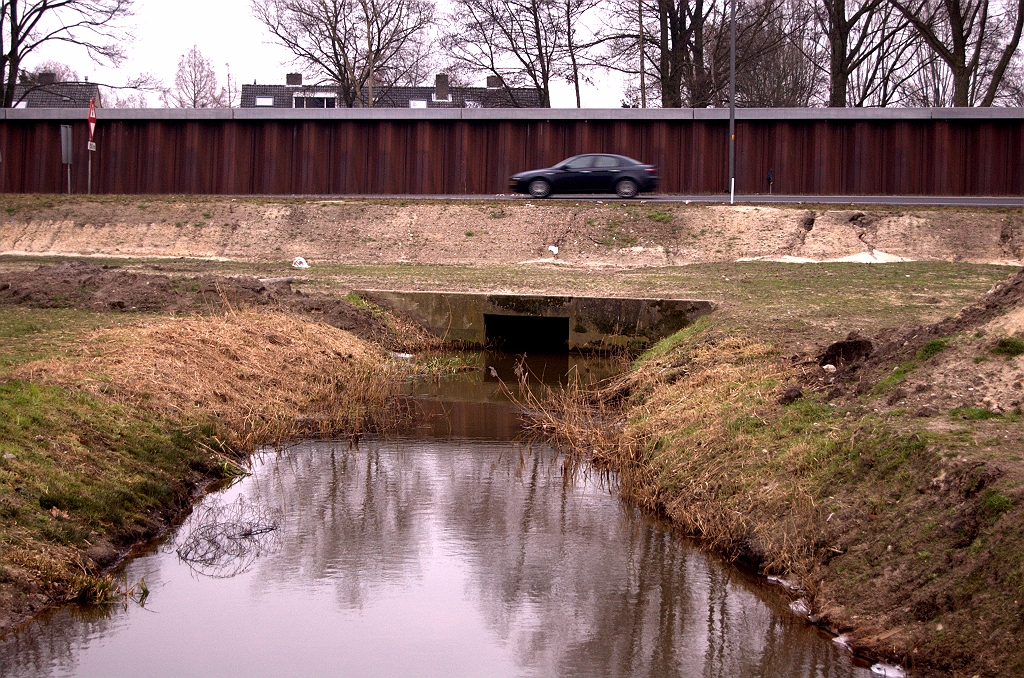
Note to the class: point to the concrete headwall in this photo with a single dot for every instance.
(594, 322)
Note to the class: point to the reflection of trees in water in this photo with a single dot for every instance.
(353, 519)
(55, 640)
(575, 583)
(582, 586)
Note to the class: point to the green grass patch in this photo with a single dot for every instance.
(995, 502)
(660, 216)
(931, 349)
(670, 342)
(1009, 346)
(83, 468)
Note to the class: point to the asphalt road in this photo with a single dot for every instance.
(894, 200)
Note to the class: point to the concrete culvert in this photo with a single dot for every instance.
(519, 333)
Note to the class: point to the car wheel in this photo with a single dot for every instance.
(626, 188)
(540, 188)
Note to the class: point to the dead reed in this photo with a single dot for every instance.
(696, 433)
(260, 377)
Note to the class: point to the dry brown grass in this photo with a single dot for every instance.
(697, 434)
(261, 377)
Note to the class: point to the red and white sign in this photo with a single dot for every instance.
(92, 119)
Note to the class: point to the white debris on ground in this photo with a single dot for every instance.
(887, 671)
(299, 262)
(873, 257)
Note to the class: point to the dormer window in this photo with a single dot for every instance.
(265, 101)
(315, 101)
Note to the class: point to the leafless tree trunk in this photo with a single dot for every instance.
(577, 51)
(349, 43)
(851, 36)
(964, 34)
(231, 89)
(28, 25)
(195, 83)
(686, 45)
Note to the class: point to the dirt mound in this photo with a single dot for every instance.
(957, 361)
(93, 287)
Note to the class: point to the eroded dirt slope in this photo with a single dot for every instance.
(587, 234)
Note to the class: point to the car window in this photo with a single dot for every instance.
(581, 162)
(630, 161)
(607, 161)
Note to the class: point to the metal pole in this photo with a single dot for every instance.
(89, 182)
(732, 103)
(69, 179)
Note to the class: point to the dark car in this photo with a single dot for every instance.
(589, 173)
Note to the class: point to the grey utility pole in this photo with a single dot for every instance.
(732, 103)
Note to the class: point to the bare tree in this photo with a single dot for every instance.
(353, 44)
(195, 83)
(975, 44)
(686, 45)
(850, 35)
(519, 41)
(231, 89)
(892, 60)
(28, 25)
(63, 72)
(577, 50)
(777, 73)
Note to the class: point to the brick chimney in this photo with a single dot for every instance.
(293, 79)
(441, 92)
(493, 82)
(46, 78)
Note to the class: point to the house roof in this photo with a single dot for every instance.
(57, 95)
(400, 97)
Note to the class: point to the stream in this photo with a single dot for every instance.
(449, 550)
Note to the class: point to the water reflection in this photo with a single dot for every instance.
(447, 558)
(477, 404)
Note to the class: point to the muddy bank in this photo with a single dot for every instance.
(516, 231)
(101, 448)
(101, 288)
(881, 478)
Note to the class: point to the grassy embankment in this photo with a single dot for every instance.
(903, 531)
(109, 425)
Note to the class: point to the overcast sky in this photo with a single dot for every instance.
(226, 33)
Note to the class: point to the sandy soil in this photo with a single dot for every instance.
(585, 234)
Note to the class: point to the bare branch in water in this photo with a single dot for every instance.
(224, 540)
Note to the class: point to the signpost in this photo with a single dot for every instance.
(92, 139)
(66, 150)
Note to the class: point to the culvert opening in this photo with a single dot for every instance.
(520, 333)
